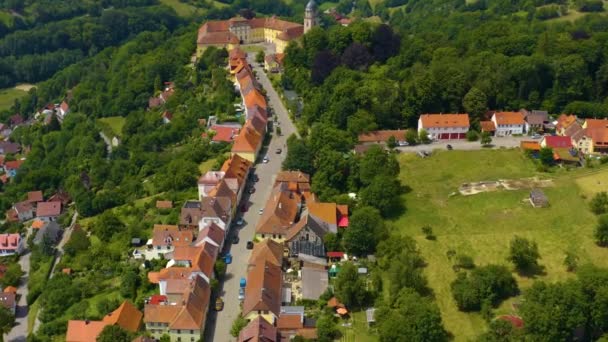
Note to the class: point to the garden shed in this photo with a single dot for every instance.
(538, 198)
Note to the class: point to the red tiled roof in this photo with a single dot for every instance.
(258, 330)
(50, 209)
(444, 120)
(509, 118)
(34, 196)
(487, 126)
(555, 141)
(224, 133)
(84, 331)
(530, 145)
(335, 254)
(381, 136)
(13, 164)
(127, 316)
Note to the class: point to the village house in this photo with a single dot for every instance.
(213, 234)
(208, 181)
(24, 210)
(216, 210)
(7, 147)
(551, 141)
(224, 132)
(248, 143)
(61, 196)
(184, 320)
(237, 168)
(508, 123)
(292, 323)
(280, 213)
(563, 122)
(12, 167)
(164, 205)
(199, 260)
(166, 237)
(11, 244)
(126, 316)
(293, 181)
(381, 137)
(535, 120)
(274, 62)
(269, 251)
(263, 292)
(259, 330)
(597, 131)
(9, 301)
(228, 188)
(48, 211)
(444, 126)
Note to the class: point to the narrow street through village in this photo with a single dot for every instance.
(219, 323)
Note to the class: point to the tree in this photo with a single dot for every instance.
(299, 156)
(12, 276)
(500, 331)
(238, 325)
(553, 312)
(369, 162)
(385, 43)
(259, 57)
(570, 261)
(545, 155)
(411, 136)
(486, 139)
(106, 225)
(332, 242)
(491, 283)
(114, 333)
(472, 135)
(349, 288)
(326, 328)
(129, 283)
(79, 241)
(391, 142)
(423, 136)
(523, 253)
(220, 269)
(601, 231)
(428, 232)
(475, 102)
(7, 320)
(323, 64)
(599, 203)
(356, 57)
(383, 193)
(410, 317)
(365, 230)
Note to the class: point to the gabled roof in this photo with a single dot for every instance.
(170, 235)
(13, 164)
(222, 189)
(164, 204)
(537, 117)
(292, 176)
(213, 232)
(237, 53)
(211, 177)
(597, 135)
(44, 209)
(127, 316)
(34, 196)
(23, 206)
(555, 141)
(258, 124)
(267, 250)
(596, 123)
(575, 131)
(509, 118)
(248, 140)
(563, 121)
(218, 206)
(236, 167)
(327, 212)
(280, 212)
(263, 290)
(487, 126)
(255, 98)
(224, 133)
(444, 120)
(375, 136)
(258, 330)
(190, 213)
(84, 331)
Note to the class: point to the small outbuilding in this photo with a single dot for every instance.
(538, 199)
(370, 315)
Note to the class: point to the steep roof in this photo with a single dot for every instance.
(211, 177)
(254, 98)
(267, 250)
(35, 196)
(248, 140)
(84, 331)
(224, 133)
(263, 290)
(596, 123)
(537, 117)
(258, 330)
(444, 120)
(563, 121)
(213, 232)
(236, 167)
(48, 209)
(218, 206)
(555, 141)
(222, 189)
(280, 212)
(127, 316)
(292, 176)
(509, 118)
(328, 212)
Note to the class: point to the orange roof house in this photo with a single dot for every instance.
(563, 122)
(530, 145)
(37, 224)
(255, 98)
(263, 290)
(381, 136)
(84, 331)
(279, 214)
(509, 118)
(164, 204)
(487, 126)
(10, 289)
(247, 143)
(444, 120)
(267, 251)
(236, 167)
(127, 316)
(34, 196)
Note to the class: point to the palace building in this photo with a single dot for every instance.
(236, 31)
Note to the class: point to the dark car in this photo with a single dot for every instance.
(244, 208)
(249, 244)
(450, 147)
(235, 240)
(256, 178)
(279, 151)
(251, 190)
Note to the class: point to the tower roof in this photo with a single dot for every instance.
(311, 6)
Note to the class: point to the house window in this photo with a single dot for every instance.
(262, 236)
(192, 332)
(179, 331)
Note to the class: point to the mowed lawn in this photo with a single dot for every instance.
(8, 97)
(482, 225)
(112, 125)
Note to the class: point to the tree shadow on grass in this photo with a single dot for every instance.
(532, 271)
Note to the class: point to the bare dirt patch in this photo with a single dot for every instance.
(468, 189)
(25, 86)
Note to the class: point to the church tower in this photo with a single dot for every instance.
(310, 16)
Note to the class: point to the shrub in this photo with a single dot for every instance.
(490, 283)
(465, 261)
(472, 136)
(599, 203)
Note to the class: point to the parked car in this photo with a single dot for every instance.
(235, 239)
(279, 151)
(537, 136)
(241, 293)
(256, 178)
(219, 304)
(261, 211)
(449, 147)
(228, 259)
(265, 160)
(251, 190)
(240, 221)
(403, 143)
(243, 282)
(249, 244)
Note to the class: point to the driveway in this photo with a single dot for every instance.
(497, 142)
(219, 323)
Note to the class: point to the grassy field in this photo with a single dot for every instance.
(358, 331)
(206, 165)
(182, 9)
(112, 126)
(482, 225)
(8, 97)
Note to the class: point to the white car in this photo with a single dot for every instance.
(261, 211)
(536, 136)
(265, 160)
(403, 143)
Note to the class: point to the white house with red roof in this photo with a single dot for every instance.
(509, 123)
(48, 211)
(10, 244)
(444, 126)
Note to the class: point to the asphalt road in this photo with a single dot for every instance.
(219, 323)
(497, 142)
(19, 331)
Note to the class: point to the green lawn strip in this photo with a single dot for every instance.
(8, 97)
(206, 165)
(482, 225)
(111, 126)
(31, 316)
(358, 331)
(182, 9)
